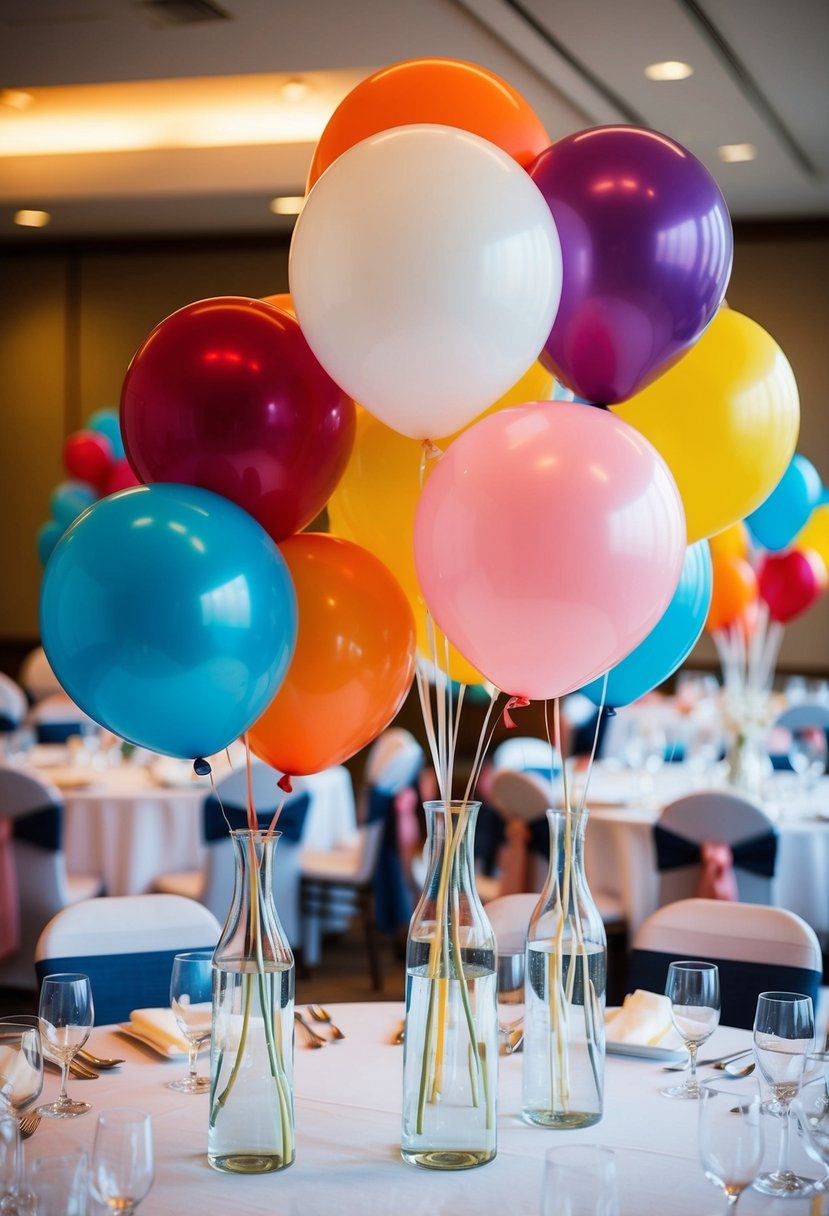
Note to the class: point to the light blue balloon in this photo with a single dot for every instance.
(107, 423)
(562, 393)
(169, 615)
(670, 641)
(777, 521)
(48, 536)
(69, 499)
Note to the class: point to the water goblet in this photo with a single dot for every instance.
(579, 1178)
(693, 989)
(784, 1029)
(731, 1135)
(66, 1019)
(21, 1063)
(810, 1112)
(191, 998)
(10, 1158)
(59, 1184)
(121, 1171)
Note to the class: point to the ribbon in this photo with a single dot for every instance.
(284, 783)
(758, 854)
(9, 893)
(717, 879)
(514, 703)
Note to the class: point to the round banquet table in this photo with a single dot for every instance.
(348, 1127)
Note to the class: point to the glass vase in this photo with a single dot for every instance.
(564, 990)
(450, 1066)
(251, 1122)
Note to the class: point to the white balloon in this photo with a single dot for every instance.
(425, 271)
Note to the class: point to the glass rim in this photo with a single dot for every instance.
(690, 964)
(66, 977)
(598, 1150)
(257, 833)
(783, 998)
(123, 1114)
(197, 956)
(451, 804)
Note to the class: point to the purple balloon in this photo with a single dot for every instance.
(647, 247)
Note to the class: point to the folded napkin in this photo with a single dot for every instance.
(160, 1027)
(644, 1019)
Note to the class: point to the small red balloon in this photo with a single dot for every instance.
(120, 477)
(791, 582)
(226, 394)
(87, 456)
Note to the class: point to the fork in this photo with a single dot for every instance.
(29, 1123)
(311, 1036)
(322, 1015)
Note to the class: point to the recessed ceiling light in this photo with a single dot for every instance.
(32, 219)
(287, 204)
(15, 99)
(295, 89)
(731, 153)
(669, 69)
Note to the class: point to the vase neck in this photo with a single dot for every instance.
(252, 927)
(451, 825)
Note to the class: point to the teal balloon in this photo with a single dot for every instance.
(69, 499)
(108, 423)
(48, 535)
(670, 641)
(169, 615)
(777, 521)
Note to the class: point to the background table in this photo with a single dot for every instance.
(348, 1100)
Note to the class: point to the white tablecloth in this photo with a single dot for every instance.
(348, 1135)
(620, 856)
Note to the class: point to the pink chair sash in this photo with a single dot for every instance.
(717, 879)
(9, 895)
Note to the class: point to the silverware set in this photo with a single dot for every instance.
(86, 1066)
(312, 1038)
(727, 1064)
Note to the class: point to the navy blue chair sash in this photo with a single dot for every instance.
(7, 723)
(122, 982)
(42, 827)
(740, 982)
(757, 854)
(56, 732)
(290, 823)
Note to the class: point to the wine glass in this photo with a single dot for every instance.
(579, 1178)
(59, 1185)
(10, 1159)
(191, 985)
(693, 989)
(66, 1018)
(810, 1111)
(784, 1030)
(21, 1080)
(808, 753)
(121, 1171)
(731, 1135)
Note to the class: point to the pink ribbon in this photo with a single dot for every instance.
(514, 703)
(9, 895)
(717, 879)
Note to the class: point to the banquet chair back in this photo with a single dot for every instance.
(756, 948)
(509, 916)
(799, 720)
(40, 884)
(698, 839)
(225, 808)
(13, 704)
(57, 718)
(126, 945)
(527, 754)
(36, 676)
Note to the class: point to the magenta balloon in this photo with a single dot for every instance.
(548, 542)
(647, 247)
(226, 394)
(790, 583)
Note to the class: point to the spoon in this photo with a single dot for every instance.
(97, 1061)
(311, 1036)
(322, 1015)
(732, 1071)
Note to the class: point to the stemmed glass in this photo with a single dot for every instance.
(579, 1178)
(808, 752)
(121, 1171)
(731, 1148)
(66, 1018)
(784, 1030)
(21, 1080)
(693, 989)
(810, 1111)
(191, 998)
(60, 1184)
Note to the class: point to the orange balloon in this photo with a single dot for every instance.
(732, 541)
(354, 658)
(283, 300)
(445, 91)
(735, 588)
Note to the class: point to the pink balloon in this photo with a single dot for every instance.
(120, 477)
(791, 582)
(549, 541)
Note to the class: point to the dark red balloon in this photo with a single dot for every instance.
(88, 457)
(791, 582)
(226, 394)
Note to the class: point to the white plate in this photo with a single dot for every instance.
(168, 1052)
(665, 1055)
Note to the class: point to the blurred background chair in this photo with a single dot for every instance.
(126, 945)
(226, 808)
(756, 948)
(369, 876)
(13, 704)
(527, 754)
(37, 885)
(57, 718)
(715, 844)
(36, 676)
(799, 741)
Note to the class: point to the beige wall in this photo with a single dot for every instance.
(71, 319)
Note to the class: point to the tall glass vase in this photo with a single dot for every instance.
(564, 1000)
(251, 1122)
(450, 1066)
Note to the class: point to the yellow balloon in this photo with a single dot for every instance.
(732, 542)
(815, 534)
(376, 499)
(725, 418)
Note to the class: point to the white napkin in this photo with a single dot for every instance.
(644, 1019)
(160, 1027)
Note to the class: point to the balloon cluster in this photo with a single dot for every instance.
(448, 263)
(94, 461)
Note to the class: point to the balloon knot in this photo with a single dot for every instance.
(610, 712)
(514, 703)
(284, 783)
(431, 451)
(201, 767)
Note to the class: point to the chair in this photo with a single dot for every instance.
(757, 949)
(698, 838)
(527, 754)
(509, 916)
(126, 945)
(36, 676)
(227, 805)
(56, 718)
(34, 809)
(805, 719)
(342, 882)
(13, 704)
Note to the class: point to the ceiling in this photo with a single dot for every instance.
(759, 77)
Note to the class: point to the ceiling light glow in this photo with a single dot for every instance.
(32, 219)
(669, 69)
(15, 99)
(733, 153)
